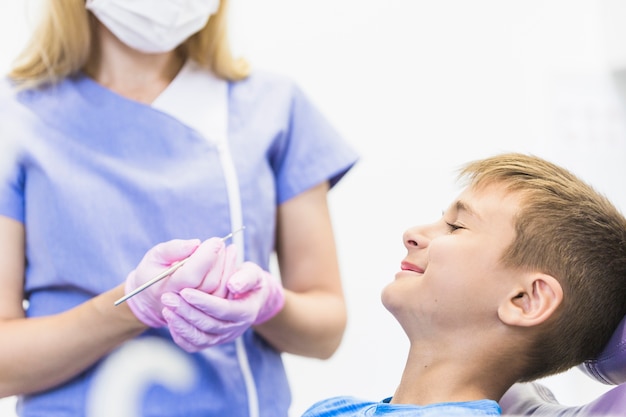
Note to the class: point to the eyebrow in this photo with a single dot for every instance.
(463, 206)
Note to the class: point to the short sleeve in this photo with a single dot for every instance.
(11, 174)
(313, 151)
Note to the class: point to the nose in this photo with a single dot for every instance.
(415, 238)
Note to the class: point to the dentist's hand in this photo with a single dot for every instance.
(203, 270)
(198, 320)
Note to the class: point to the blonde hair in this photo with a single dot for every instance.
(63, 41)
(568, 230)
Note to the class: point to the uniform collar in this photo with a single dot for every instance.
(199, 99)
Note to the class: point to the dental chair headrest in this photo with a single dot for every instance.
(536, 400)
(610, 366)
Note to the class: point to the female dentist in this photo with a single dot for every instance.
(129, 123)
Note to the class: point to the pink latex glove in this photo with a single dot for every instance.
(198, 320)
(203, 270)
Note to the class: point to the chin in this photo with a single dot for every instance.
(387, 297)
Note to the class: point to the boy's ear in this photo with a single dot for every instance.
(533, 301)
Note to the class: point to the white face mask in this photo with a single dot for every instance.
(153, 26)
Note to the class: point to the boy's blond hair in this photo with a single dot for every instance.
(63, 44)
(568, 230)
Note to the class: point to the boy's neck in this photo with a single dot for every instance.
(434, 375)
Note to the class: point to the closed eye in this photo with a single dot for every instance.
(453, 227)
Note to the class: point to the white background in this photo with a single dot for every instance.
(419, 87)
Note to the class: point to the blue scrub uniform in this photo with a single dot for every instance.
(99, 179)
(353, 407)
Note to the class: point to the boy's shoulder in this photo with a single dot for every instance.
(341, 406)
(348, 406)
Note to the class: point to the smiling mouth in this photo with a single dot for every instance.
(405, 266)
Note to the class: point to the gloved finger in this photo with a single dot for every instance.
(197, 318)
(184, 334)
(146, 305)
(166, 253)
(223, 309)
(206, 260)
(214, 282)
(191, 338)
(247, 278)
(193, 330)
(174, 250)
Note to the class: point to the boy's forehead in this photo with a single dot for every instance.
(490, 189)
(480, 201)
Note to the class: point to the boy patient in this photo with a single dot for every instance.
(524, 276)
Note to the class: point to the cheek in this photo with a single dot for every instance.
(454, 273)
(463, 278)
(440, 248)
(455, 259)
(445, 261)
